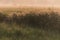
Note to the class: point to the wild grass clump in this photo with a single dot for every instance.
(46, 20)
(40, 21)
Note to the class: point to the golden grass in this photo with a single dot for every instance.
(25, 10)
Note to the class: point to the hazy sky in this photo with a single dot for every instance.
(55, 3)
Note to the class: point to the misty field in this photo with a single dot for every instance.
(31, 26)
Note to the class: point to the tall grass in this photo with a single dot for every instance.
(40, 20)
(30, 26)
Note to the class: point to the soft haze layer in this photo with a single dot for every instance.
(17, 3)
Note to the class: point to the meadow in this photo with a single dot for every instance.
(30, 26)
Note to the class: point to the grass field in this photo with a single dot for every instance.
(31, 26)
(14, 32)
